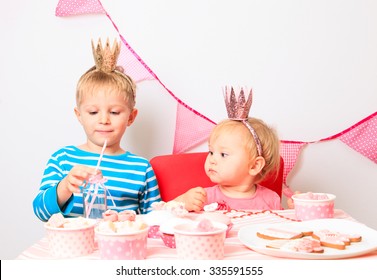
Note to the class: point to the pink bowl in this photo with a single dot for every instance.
(71, 242)
(310, 206)
(200, 245)
(122, 246)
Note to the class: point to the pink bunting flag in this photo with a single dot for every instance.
(289, 151)
(67, 8)
(362, 137)
(191, 129)
(133, 65)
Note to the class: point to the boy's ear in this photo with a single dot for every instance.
(257, 166)
(132, 117)
(78, 115)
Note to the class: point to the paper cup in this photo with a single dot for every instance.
(307, 208)
(198, 245)
(71, 242)
(122, 246)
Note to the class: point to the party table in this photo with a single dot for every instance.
(234, 248)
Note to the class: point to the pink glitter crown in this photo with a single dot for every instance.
(237, 105)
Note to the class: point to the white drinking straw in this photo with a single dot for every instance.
(101, 155)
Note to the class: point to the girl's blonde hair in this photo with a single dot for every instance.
(114, 82)
(267, 136)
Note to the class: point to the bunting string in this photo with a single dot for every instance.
(193, 128)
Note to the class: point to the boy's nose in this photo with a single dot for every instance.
(104, 118)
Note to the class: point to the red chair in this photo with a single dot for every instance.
(178, 173)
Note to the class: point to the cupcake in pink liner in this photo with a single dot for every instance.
(163, 211)
(203, 240)
(309, 206)
(70, 237)
(122, 240)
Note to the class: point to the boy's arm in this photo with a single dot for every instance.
(45, 204)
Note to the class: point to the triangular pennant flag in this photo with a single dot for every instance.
(67, 8)
(133, 65)
(191, 129)
(289, 151)
(362, 137)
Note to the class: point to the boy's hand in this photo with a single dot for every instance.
(72, 182)
(194, 199)
(77, 176)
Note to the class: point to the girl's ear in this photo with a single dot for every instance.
(257, 166)
(78, 114)
(132, 117)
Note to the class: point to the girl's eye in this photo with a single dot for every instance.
(115, 113)
(211, 153)
(92, 113)
(224, 155)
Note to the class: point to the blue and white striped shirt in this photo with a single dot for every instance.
(131, 183)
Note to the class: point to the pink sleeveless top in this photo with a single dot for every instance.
(263, 199)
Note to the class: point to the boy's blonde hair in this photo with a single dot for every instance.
(115, 82)
(267, 136)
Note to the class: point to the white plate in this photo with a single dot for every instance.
(248, 236)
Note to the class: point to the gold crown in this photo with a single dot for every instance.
(237, 105)
(105, 57)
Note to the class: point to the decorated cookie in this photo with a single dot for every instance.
(304, 245)
(277, 233)
(336, 240)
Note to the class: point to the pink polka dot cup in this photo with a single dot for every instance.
(70, 242)
(200, 245)
(122, 246)
(310, 206)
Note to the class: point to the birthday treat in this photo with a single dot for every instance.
(122, 239)
(70, 237)
(305, 245)
(334, 239)
(200, 240)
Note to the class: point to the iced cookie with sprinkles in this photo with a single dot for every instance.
(303, 245)
(334, 239)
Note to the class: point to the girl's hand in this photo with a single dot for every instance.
(290, 203)
(194, 199)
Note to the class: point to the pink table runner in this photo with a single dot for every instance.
(234, 249)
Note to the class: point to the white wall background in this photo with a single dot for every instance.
(312, 65)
